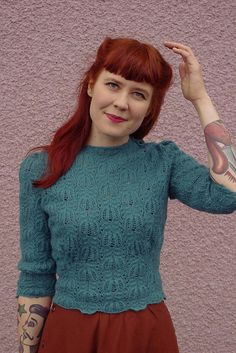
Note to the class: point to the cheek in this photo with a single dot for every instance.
(139, 115)
(139, 121)
(102, 99)
(98, 103)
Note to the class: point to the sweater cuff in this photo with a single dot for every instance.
(36, 285)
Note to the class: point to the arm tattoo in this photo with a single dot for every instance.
(221, 149)
(33, 327)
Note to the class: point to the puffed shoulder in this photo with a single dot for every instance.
(165, 146)
(164, 143)
(32, 166)
(172, 150)
(169, 144)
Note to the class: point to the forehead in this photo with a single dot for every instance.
(109, 75)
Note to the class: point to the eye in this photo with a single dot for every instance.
(111, 83)
(140, 95)
(31, 324)
(115, 84)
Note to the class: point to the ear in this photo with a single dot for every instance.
(90, 90)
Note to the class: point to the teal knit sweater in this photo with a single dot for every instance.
(92, 240)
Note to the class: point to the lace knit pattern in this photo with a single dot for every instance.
(93, 240)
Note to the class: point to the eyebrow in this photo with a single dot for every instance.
(138, 88)
(32, 319)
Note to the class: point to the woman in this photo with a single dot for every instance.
(93, 206)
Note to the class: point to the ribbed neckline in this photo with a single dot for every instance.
(108, 149)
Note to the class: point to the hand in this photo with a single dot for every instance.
(190, 71)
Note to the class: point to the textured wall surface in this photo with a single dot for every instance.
(45, 47)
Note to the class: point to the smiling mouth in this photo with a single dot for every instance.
(115, 117)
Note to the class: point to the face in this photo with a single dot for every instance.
(112, 94)
(31, 329)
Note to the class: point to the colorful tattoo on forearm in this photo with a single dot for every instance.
(222, 150)
(33, 327)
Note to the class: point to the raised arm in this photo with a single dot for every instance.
(221, 150)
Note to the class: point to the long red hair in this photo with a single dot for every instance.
(127, 57)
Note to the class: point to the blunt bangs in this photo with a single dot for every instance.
(133, 63)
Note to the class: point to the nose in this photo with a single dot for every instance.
(121, 101)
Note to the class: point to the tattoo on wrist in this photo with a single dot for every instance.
(33, 326)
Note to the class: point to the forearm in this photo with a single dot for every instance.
(221, 150)
(31, 316)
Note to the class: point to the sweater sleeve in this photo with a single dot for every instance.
(38, 268)
(190, 182)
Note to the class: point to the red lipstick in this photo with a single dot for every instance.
(114, 118)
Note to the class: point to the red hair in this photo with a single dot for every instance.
(127, 57)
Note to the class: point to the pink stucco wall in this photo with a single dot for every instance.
(45, 46)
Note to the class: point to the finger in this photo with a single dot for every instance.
(186, 55)
(181, 51)
(178, 45)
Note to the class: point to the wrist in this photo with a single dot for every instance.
(206, 111)
(201, 101)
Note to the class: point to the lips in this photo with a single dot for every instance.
(115, 117)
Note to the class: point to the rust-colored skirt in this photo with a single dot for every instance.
(150, 330)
